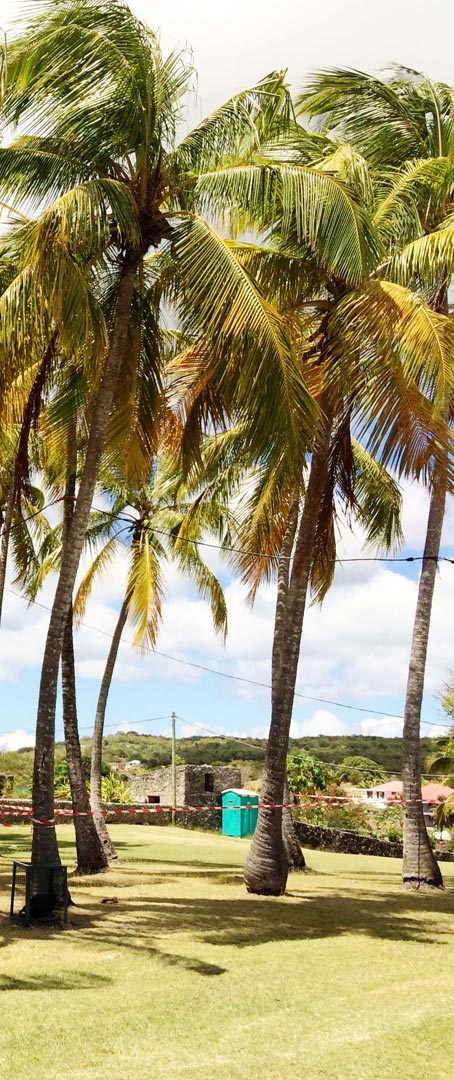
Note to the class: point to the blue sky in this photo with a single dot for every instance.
(355, 649)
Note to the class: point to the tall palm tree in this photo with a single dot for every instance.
(89, 81)
(404, 124)
(325, 288)
(161, 520)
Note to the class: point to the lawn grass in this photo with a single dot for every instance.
(347, 977)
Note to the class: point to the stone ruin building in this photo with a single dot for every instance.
(197, 785)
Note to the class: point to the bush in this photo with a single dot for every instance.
(361, 771)
(351, 817)
(388, 824)
(115, 790)
(383, 824)
(396, 835)
(306, 773)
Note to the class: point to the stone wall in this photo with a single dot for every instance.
(310, 836)
(325, 839)
(130, 814)
(191, 786)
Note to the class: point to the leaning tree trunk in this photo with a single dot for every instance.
(4, 547)
(96, 752)
(295, 857)
(266, 867)
(419, 864)
(44, 845)
(90, 854)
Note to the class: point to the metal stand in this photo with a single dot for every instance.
(41, 878)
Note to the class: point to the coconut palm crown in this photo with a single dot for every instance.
(97, 183)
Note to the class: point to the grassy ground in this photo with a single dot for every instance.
(345, 978)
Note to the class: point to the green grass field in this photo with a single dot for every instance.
(346, 978)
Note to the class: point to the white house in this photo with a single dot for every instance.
(382, 794)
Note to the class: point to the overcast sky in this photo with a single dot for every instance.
(355, 650)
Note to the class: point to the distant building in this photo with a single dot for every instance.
(124, 766)
(432, 794)
(381, 794)
(197, 785)
(391, 792)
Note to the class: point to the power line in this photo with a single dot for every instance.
(241, 551)
(266, 555)
(252, 746)
(235, 678)
(148, 720)
(23, 521)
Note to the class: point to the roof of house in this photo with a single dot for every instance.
(434, 792)
(429, 792)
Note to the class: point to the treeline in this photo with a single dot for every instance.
(155, 750)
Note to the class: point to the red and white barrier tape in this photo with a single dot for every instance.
(12, 810)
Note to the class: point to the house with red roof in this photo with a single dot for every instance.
(382, 795)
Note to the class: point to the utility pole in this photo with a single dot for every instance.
(174, 769)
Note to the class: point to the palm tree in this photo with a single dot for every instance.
(326, 290)
(161, 520)
(404, 125)
(271, 515)
(89, 80)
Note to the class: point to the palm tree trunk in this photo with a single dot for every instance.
(295, 857)
(419, 864)
(96, 752)
(266, 867)
(7, 523)
(44, 845)
(90, 855)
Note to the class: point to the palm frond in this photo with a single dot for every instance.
(144, 588)
(404, 398)
(315, 207)
(410, 197)
(379, 500)
(249, 117)
(429, 258)
(250, 356)
(385, 121)
(101, 565)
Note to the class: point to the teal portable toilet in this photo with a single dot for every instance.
(239, 811)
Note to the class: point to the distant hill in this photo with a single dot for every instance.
(155, 750)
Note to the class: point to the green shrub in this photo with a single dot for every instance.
(115, 790)
(396, 835)
(306, 773)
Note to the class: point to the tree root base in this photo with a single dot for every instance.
(421, 884)
(89, 871)
(266, 892)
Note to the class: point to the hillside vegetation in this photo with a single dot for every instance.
(155, 750)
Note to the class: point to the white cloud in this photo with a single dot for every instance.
(322, 722)
(16, 740)
(389, 727)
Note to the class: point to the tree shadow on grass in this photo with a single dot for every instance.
(71, 980)
(96, 929)
(246, 922)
